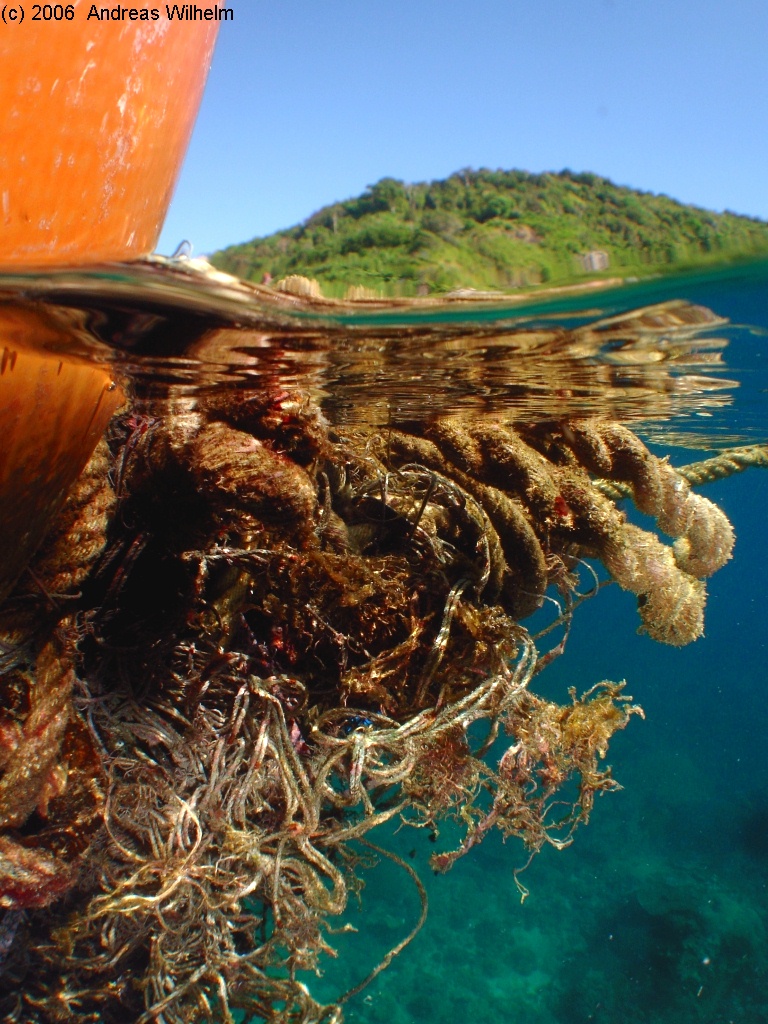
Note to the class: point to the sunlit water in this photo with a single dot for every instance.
(658, 912)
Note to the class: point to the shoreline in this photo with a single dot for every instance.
(303, 292)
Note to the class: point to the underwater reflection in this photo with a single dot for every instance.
(173, 325)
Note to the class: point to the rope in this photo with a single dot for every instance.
(733, 460)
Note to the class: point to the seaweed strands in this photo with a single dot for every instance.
(283, 645)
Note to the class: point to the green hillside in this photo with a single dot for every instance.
(494, 230)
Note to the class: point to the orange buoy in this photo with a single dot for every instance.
(95, 118)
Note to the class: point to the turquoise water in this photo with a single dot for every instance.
(658, 912)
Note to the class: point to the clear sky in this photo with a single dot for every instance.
(309, 101)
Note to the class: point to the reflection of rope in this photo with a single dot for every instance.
(734, 460)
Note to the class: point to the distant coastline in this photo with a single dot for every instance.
(504, 232)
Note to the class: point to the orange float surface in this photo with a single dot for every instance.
(53, 410)
(95, 118)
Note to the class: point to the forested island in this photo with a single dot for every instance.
(493, 230)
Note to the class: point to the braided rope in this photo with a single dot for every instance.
(727, 463)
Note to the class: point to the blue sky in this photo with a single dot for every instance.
(309, 101)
